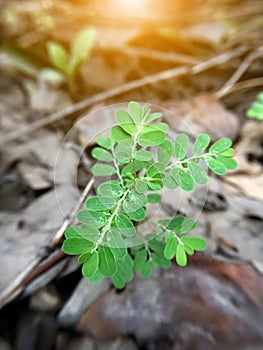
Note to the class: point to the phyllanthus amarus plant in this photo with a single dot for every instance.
(141, 160)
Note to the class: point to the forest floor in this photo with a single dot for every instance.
(201, 65)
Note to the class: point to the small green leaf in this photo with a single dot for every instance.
(123, 151)
(103, 142)
(155, 169)
(71, 232)
(57, 55)
(101, 154)
(97, 277)
(90, 232)
(140, 259)
(125, 121)
(228, 152)
(118, 134)
(170, 248)
(91, 218)
(220, 145)
(143, 155)
(137, 215)
(181, 144)
(74, 246)
(98, 203)
(156, 126)
(103, 170)
(184, 180)
(229, 163)
(151, 138)
(116, 243)
(125, 225)
(201, 143)
(195, 243)
(90, 266)
(180, 224)
(152, 117)
(128, 169)
(80, 48)
(83, 257)
(111, 188)
(124, 272)
(154, 198)
(141, 186)
(216, 166)
(181, 257)
(164, 152)
(138, 198)
(198, 173)
(107, 264)
(146, 269)
(135, 112)
(169, 182)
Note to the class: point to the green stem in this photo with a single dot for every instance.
(108, 225)
(191, 159)
(116, 166)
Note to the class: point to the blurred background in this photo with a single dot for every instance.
(200, 62)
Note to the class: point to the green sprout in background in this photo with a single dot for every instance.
(141, 160)
(66, 63)
(256, 110)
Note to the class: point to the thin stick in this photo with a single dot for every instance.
(29, 273)
(239, 72)
(245, 84)
(150, 79)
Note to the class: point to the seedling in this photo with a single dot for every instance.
(66, 64)
(141, 160)
(256, 110)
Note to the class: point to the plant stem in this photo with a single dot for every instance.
(191, 159)
(108, 225)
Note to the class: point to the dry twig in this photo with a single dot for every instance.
(35, 268)
(148, 80)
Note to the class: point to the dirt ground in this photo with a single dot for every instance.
(200, 63)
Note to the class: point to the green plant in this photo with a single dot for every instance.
(256, 110)
(67, 63)
(107, 238)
